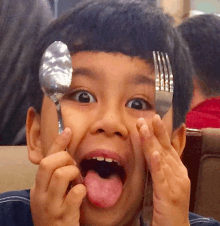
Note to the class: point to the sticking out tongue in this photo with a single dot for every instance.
(103, 192)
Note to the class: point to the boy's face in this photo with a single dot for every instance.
(109, 92)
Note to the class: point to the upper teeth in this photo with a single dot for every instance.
(104, 159)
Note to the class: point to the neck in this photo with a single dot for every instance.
(197, 99)
(198, 96)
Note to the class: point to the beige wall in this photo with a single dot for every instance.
(16, 171)
(179, 9)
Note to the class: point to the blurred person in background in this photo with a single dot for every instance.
(202, 34)
(21, 23)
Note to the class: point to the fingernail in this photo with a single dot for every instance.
(66, 131)
(141, 121)
(144, 130)
(158, 118)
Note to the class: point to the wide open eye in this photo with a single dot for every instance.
(139, 104)
(82, 96)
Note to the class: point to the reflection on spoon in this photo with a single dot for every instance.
(55, 74)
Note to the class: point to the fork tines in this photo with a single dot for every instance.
(163, 72)
(163, 82)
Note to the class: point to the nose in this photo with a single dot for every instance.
(110, 123)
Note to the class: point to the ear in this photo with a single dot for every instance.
(33, 134)
(178, 139)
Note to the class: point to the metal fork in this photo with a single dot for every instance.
(163, 83)
(163, 102)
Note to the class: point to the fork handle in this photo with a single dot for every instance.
(163, 103)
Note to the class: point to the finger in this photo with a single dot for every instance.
(158, 177)
(161, 132)
(48, 165)
(74, 198)
(59, 183)
(179, 185)
(163, 138)
(178, 169)
(140, 122)
(61, 143)
(148, 140)
(176, 175)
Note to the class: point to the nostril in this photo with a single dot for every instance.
(118, 134)
(100, 131)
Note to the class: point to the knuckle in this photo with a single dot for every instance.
(76, 170)
(185, 182)
(178, 197)
(186, 185)
(65, 156)
(182, 190)
(58, 174)
(44, 164)
(57, 214)
(185, 170)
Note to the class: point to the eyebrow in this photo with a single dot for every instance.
(142, 80)
(85, 72)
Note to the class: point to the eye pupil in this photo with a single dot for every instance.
(84, 97)
(137, 104)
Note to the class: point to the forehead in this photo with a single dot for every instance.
(117, 66)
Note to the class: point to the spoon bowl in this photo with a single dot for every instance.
(55, 74)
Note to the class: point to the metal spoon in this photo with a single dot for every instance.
(55, 75)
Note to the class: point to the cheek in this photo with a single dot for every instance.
(78, 121)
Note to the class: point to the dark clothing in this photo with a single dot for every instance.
(205, 115)
(15, 211)
(15, 208)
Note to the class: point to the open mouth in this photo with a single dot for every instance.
(104, 178)
(104, 167)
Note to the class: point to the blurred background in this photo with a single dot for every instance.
(179, 9)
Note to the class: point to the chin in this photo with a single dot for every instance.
(116, 216)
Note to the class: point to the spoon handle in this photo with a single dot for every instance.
(60, 119)
(61, 127)
(59, 115)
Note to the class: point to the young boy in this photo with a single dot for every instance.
(112, 133)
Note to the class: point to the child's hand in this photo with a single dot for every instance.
(171, 185)
(51, 201)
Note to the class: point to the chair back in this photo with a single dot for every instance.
(202, 159)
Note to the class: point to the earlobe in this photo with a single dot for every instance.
(35, 154)
(179, 139)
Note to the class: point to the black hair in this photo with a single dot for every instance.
(131, 27)
(202, 34)
(21, 22)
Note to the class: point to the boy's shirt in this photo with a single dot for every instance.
(15, 210)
